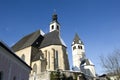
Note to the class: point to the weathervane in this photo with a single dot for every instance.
(54, 11)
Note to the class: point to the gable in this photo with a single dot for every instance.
(28, 40)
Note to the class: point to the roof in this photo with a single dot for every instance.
(77, 40)
(86, 62)
(10, 51)
(36, 39)
(52, 38)
(27, 40)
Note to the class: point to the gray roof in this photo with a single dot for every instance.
(52, 38)
(77, 40)
(35, 39)
(27, 40)
(86, 62)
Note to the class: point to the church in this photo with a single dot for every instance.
(46, 52)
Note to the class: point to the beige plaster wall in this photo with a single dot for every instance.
(27, 53)
(61, 59)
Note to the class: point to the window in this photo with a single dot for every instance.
(57, 27)
(14, 78)
(49, 60)
(1, 76)
(74, 47)
(23, 57)
(79, 47)
(52, 27)
(56, 59)
(35, 68)
(45, 54)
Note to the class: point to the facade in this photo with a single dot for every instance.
(11, 66)
(43, 52)
(80, 62)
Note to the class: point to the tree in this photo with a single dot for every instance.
(111, 63)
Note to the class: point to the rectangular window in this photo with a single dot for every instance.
(1, 76)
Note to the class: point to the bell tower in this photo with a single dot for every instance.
(78, 52)
(54, 25)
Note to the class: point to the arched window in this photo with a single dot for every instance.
(74, 47)
(34, 68)
(56, 59)
(49, 60)
(45, 56)
(52, 26)
(23, 57)
(79, 47)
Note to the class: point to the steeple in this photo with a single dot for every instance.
(78, 52)
(54, 25)
(77, 40)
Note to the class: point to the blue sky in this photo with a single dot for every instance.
(97, 22)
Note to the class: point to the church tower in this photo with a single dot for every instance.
(54, 25)
(78, 52)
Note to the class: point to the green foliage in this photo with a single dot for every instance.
(52, 76)
(56, 76)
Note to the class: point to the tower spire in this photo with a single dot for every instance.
(77, 40)
(54, 25)
(78, 52)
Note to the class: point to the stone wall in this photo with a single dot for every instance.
(42, 76)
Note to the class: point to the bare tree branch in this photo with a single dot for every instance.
(111, 63)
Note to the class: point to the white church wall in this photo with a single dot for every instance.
(78, 55)
(12, 67)
(54, 26)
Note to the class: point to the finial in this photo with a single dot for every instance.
(54, 17)
(54, 11)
